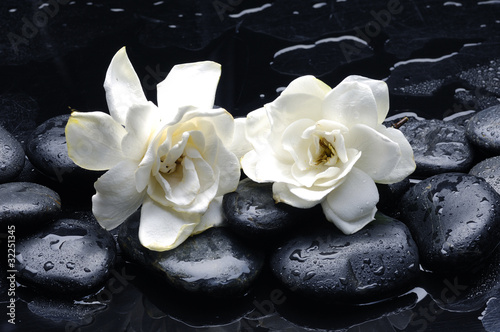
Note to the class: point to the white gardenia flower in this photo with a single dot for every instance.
(173, 159)
(328, 146)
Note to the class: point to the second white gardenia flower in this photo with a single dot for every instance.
(173, 159)
(328, 146)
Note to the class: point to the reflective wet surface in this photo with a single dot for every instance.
(439, 58)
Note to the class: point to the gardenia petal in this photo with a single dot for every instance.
(94, 140)
(164, 229)
(192, 84)
(379, 154)
(406, 164)
(307, 85)
(239, 144)
(141, 123)
(380, 92)
(123, 88)
(212, 218)
(352, 205)
(116, 197)
(351, 103)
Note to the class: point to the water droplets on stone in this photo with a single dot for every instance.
(48, 266)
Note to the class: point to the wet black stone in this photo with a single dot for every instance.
(48, 152)
(379, 261)
(214, 263)
(438, 146)
(18, 113)
(11, 157)
(27, 206)
(390, 195)
(483, 130)
(489, 169)
(454, 219)
(252, 212)
(68, 257)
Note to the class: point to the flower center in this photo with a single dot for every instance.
(328, 154)
(170, 168)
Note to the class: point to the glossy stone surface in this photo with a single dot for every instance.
(488, 169)
(48, 152)
(252, 212)
(214, 262)
(483, 130)
(69, 257)
(11, 156)
(390, 196)
(27, 206)
(375, 263)
(438, 146)
(454, 219)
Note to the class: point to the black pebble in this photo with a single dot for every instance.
(454, 219)
(377, 262)
(69, 258)
(11, 156)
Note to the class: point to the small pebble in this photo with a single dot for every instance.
(27, 205)
(252, 212)
(454, 219)
(214, 262)
(438, 146)
(11, 157)
(68, 257)
(377, 262)
(483, 130)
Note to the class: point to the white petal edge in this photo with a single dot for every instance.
(164, 229)
(351, 103)
(406, 164)
(352, 205)
(380, 92)
(239, 144)
(212, 218)
(189, 84)
(123, 87)
(94, 140)
(116, 197)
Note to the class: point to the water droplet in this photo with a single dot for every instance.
(297, 256)
(367, 261)
(48, 266)
(86, 269)
(343, 281)
(309, 275)
(70, 265)
(379, 271)
(296, 273)
(7, 147)
(472, 224)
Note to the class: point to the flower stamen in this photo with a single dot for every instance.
(327, 152)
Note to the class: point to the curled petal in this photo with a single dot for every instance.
(164, 229)
(190, 84)
(212, 218)
(352, 205)
(406, 164)
(379, 154)
(351, 103)
(94, 140)
(116, 197)
(123, 88)
(300, 197)
(380, 92)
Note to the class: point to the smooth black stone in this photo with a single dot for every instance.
(68, 257)
(438, 146)
(27, 205)
(252, 212)
(489, 169)
(454, 219)
(483, 130)
(214, 263)
(390, 196)
(377, 262)
(11, 157)
(48, 152)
